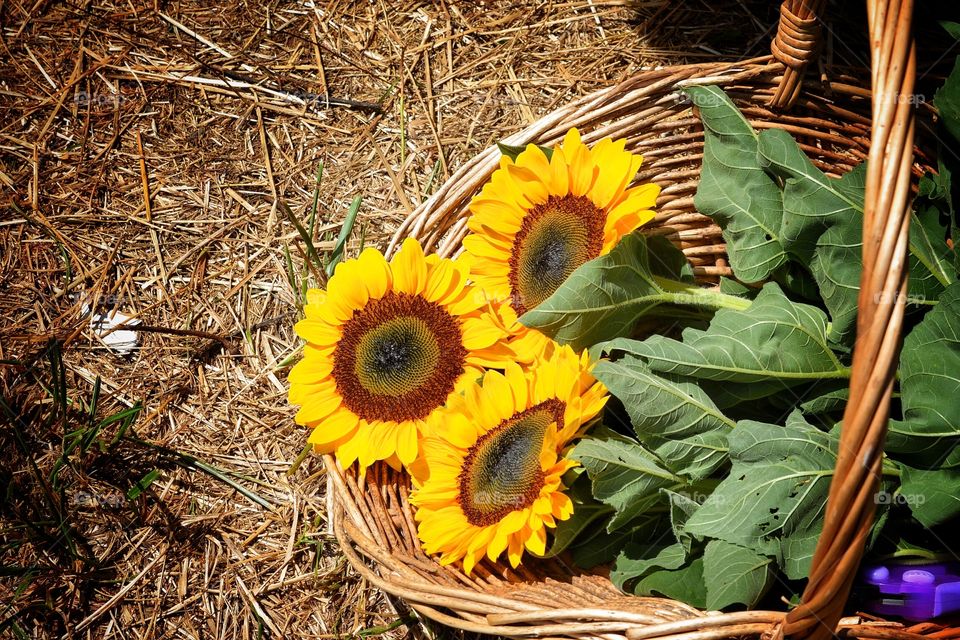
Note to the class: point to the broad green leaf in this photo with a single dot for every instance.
(822, 220)
(638, 559)
(772, 346)
(932, 495)
(734, 190)
(822, 227)
(830, 402)
(797, 553)
(777, 487)
(930, 387)
(681, 508)
(734, 574)
(676, 420)
(568, 530)
(624, 474)
(952, 28)
(602, 547)
(934, 203)
(603, 298)
(684, 584)
(947, 101)
(734, 288)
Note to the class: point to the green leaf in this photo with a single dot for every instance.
(681, 508)
(772, 346)
(735, 191)
(603, 298)
(797, 553)
(338, 247)
(568, 530)
(777, 487)
(952, 28)
(624, 474)
(928, 236)
(734, 288)
(143, 484)
(830, 402)
(638, 559)
(586, 511)
(676, 420)
(685, 584)
(734, 574)
(932, 495)
(947, 101)
(821, 228)
(512, 150)
(930, 386)
(603, 547)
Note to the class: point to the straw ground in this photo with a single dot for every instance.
(149, 155)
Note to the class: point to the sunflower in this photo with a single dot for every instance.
(539, 218)
(386, 345)
(491, 478)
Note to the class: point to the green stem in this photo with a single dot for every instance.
(691, 295)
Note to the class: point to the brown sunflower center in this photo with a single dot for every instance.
(398, 359)
(555, 238)
(502, 471)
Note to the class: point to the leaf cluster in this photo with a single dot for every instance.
(712, 472)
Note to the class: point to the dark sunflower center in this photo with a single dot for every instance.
(388, 364)
(502, 472)
(555, 238)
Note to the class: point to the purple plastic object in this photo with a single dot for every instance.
(912, 592)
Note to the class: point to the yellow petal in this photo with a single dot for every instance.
(317, 407)
(498, 394)
(443, 281)
(500, 214)
(458, 430)
(406, 446)
(515, 550)
(583, 173)
(637, 199)
(514, 521)
(498, 544)
(518, 386)
(614, 164)
(346, 289)
(479, 333)
(311, 370)
(537, 542)
(562, 506)
(333, 428)
(559, 173)
(317, 332)
(409, 268)
(375, 271)
(530, 184)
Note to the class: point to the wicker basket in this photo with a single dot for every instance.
(832, 121)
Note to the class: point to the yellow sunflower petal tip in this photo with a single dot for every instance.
(382, 355)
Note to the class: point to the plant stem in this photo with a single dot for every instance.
(683, 293)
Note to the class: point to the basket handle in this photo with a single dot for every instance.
(795, 45)
(883, 287)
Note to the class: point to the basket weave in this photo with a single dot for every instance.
(833, 122)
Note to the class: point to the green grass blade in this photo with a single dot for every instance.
(345, 231)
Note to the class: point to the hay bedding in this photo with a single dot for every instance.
(145, 149)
